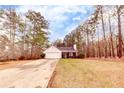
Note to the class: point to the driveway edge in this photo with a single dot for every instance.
(46, 85)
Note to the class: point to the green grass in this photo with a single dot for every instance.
(80, 73)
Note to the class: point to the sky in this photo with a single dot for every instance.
(62, 19)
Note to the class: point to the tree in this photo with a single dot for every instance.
(99, 48)
(58, 43)
(11, 24)
(120, 49)
(38, 24)
(103, 28)
(111, 37)
(22, 29)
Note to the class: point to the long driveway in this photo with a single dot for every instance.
(35, 74)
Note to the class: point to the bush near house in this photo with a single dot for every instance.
(42, 55)
(81, 55)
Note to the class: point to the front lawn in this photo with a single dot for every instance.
(81, 73)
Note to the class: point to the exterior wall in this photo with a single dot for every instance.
(53, 55)
(53, 52)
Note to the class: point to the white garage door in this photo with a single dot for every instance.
(53, 55)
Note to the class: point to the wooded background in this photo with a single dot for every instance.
(101, 35)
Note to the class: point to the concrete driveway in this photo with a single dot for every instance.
(35, 74)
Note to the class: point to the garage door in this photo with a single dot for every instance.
(53, 55)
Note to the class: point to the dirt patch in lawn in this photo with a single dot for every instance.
(79, 73)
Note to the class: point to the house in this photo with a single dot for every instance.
(61, 52)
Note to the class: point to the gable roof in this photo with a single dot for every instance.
(67, 49)
(60, 49)
(52, 49)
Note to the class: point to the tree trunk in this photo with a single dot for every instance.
(87, 54)
(23, 32)
(99, 49)
(32, 51)
(84, 50)
(103, 28)
(110, 54)
(120, 49)
(93, 49)
(111, 38)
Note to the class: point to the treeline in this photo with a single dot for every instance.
(22, 35)
(101, 35)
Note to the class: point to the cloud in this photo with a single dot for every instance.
(76, 18)
(62, 19)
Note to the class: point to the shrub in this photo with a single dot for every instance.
(81, 55)
(21, 58)
(42, 55)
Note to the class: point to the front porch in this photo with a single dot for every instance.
(69, 54)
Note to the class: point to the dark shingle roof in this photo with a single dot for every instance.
(66, 49)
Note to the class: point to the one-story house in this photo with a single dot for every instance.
(61, 52)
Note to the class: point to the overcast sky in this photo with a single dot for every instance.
(62, 19)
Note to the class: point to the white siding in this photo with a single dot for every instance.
(53, 52)
(53, 55)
